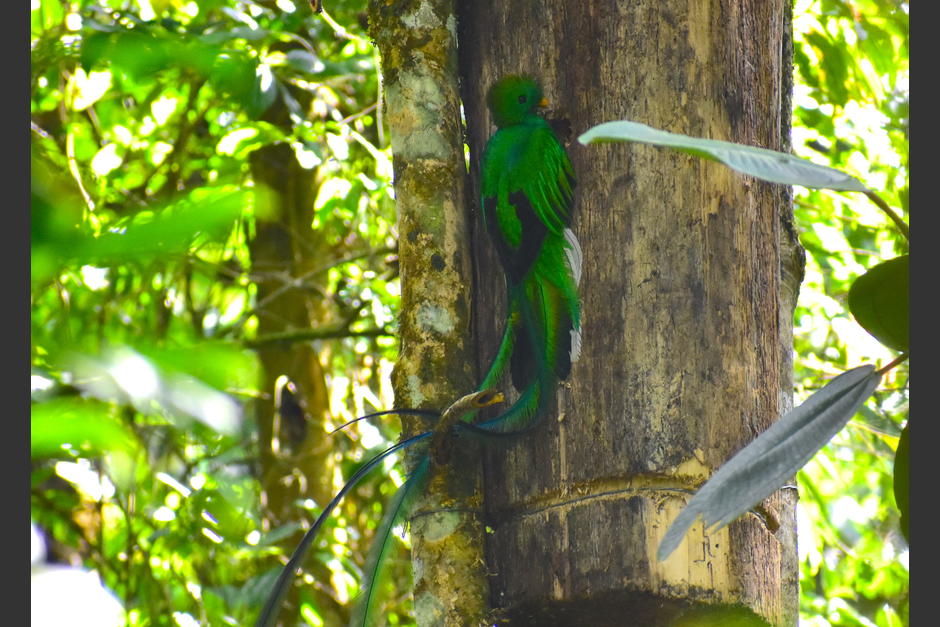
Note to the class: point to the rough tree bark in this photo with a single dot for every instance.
(689, 282)
(417, 40)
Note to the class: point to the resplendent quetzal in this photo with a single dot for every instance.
(526, 198)
(526, 192)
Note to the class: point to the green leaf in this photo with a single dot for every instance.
(239, 32)
(834, 67)
(221, 365)
(122, 374)
(234, 73)
(206, 212)
(774, 456)
(55, 217)
(255, 590)
(902, 481)
(273, 537)
(265, 91)
(879, 301)
(137, 53)
(81, 424)
(48, 15)
(878, 47)
(769, 165)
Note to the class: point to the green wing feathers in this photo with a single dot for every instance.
(527, 191)
(548, 179)
(548, 334)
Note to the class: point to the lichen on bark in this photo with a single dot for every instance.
(418, 46)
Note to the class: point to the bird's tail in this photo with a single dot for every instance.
(541, 340)
(268, 616)
(378, 551)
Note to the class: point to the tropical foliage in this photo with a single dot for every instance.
(158, 127)
(851, 112)
(151, 300)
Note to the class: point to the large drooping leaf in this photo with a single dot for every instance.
(879, 301)
(769, 165)
(774, 457)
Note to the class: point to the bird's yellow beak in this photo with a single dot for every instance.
(543, 102)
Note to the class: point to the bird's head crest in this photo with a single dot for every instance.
(513, 98)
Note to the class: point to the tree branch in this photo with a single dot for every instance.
(875, 198)
(335, 332)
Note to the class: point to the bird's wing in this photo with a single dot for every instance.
(545, 175)
(527, 194)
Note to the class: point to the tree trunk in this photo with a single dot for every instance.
(293, 452)
(418, 43)
(689, 282)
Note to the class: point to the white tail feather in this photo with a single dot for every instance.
(575, 344)
(574, 257)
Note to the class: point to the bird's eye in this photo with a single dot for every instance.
(522, 99)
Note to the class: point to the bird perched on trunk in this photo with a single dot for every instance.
(526, 195)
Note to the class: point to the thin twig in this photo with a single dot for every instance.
(897, 361)
(338, 29)
(875, 198)
(345, 121)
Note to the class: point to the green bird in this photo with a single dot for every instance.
(526, 195)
